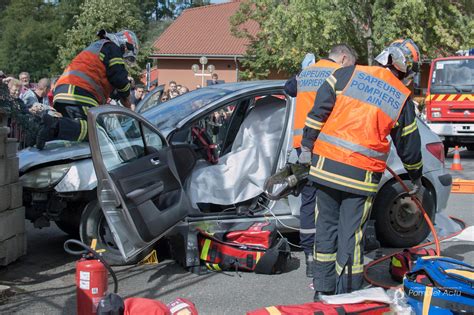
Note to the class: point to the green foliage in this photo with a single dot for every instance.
(111, 15)
(290, 29)
(29, 35)
(42, 37)
(168, 9)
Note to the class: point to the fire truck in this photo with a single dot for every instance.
(450, 100)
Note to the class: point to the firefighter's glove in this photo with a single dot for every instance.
(417, 189)
(305, 156)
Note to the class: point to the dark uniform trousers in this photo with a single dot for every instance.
(341, 219)
(308, 203)
(73, 124)
(307, 229)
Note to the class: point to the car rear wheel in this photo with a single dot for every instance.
(398, 221)
(94, 226)
(470, 147)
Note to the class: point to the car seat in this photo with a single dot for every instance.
(240, 174)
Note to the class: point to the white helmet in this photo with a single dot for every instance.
(125, 39)
(308, 60)
(405, 57)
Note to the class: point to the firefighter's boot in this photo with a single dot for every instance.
(309, 265)
(48, 131)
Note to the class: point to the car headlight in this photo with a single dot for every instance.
(45, 177)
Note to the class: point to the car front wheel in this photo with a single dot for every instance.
(70, 218)
(94, 226)
(398, 221)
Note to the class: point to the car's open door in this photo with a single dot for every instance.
(139, 177)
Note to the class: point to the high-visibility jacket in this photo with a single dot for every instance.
(353, 140)
(309, 81)
(88, 72)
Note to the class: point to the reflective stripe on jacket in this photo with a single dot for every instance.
(352, 147)
(88, 72)
(309, 81)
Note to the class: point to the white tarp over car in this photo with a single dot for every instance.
(241, 173)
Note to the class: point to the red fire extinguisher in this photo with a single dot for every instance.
(91, 278)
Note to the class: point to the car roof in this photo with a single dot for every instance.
(237, 86)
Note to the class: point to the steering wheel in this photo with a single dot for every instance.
(204, 140)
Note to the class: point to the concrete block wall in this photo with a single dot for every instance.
(12, 214)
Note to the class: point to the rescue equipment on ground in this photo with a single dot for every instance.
(113, 304)
(320, 308)
(261, 234)
(140, 306)
(288, 180)
(182, 306)
(91, 277)
(436, 240)
(253, 248)
(440, 285)
(402, 262)
(202, 139)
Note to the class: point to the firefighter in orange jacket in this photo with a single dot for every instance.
(307, 85)
(356, 109)
(87, 82)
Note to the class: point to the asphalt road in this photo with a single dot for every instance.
(43, 281)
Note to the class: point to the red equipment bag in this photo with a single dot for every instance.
(402, 262)
(142, 306)
(113, 304)
(253, 249)
(319, 308)
(260, 234)
(182, 306)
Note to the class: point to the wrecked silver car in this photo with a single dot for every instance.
(197, 160)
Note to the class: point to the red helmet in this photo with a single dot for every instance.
(125, 39)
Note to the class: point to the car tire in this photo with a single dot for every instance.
(68, 227)
(398, 222)
(94, 226)
(70, 218)
(470, 147)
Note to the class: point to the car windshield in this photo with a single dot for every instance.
(168, 114)
(453, 76)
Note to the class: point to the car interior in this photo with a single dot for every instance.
(249, 129)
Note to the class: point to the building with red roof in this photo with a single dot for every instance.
(197, 32)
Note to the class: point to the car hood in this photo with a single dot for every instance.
(54, 151)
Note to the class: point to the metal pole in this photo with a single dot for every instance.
(202, 76)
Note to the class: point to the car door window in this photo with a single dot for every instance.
(210, 129)
(121, 140)
(217, 123)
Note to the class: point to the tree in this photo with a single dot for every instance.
(29, 35)
(111, 15)
(168, 9)
(28, 38)
(290, 29)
